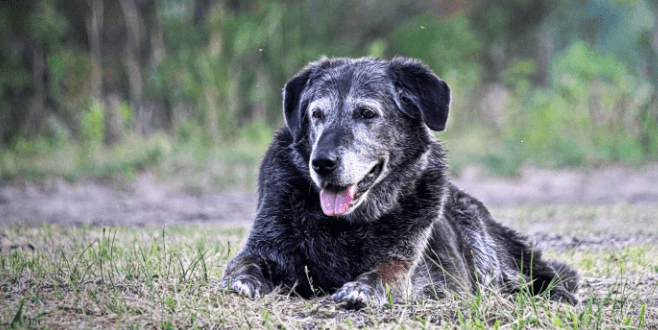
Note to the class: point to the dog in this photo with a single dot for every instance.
(354, 198)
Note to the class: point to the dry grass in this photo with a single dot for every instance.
(60, 277)
(621, 219)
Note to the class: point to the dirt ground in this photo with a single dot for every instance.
(147, 202)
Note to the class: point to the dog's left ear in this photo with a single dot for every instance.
(421, 94)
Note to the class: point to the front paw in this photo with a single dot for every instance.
(356, 295)
(247, 285)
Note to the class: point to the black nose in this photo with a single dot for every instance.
(325, 163)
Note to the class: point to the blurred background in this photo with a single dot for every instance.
(190, 90)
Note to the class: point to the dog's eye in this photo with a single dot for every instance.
(367, 113)
(317, 113)
(405, 100)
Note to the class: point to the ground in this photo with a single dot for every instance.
(148, 202)
(145, 256)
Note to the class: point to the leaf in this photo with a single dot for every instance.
(18, 318)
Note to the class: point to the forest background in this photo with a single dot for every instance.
(192, 89)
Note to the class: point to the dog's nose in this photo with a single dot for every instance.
(325, 164)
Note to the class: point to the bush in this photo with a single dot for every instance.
(92, 125)
(590, 112)
(443, 44)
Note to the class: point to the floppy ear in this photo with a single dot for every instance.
(421, 94)
(294, 112)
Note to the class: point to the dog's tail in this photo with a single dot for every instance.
(558, 278)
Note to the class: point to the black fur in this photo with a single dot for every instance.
(411, 230)
(422, 93)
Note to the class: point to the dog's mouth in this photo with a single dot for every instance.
(337, 200)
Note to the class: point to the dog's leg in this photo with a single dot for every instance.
(369, 289)
(244, 275)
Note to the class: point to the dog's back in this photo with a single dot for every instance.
(492, 255)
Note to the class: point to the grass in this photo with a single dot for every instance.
(620, 219)
(60, 277)
(188, 162)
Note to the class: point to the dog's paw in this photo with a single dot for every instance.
(356, 295)
(247, 285)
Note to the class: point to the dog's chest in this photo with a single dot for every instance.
(336, 245)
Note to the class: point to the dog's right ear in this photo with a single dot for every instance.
(294, 111)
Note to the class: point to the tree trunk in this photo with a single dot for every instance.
(142, 115)
(95, 33)
(542, 57)
(158, 52)
(36, 108)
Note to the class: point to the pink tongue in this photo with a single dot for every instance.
(337, 203)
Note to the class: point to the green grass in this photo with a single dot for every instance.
(61, 277)
(188, 162)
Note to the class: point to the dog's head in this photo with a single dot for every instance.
(362, 120)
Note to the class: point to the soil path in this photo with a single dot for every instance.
(146, 202)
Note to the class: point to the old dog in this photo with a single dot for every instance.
(354, 198)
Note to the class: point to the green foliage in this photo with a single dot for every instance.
(590, 112)
(92, 125)
(507, 159)
(579, 66)
(126, 113)
(210, 74)
(518, 75)
(256, 132)
(444, 45)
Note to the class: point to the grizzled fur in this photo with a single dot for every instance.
(366, 123)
